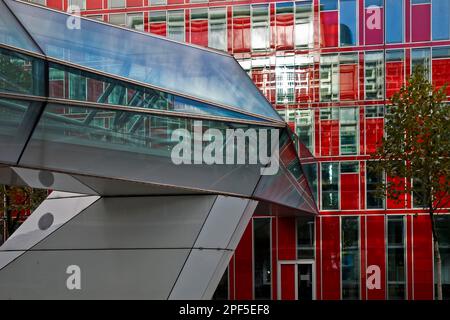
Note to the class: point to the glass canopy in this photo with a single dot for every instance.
(213, 77)
(104, 102)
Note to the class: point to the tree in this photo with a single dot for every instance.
(415, 150)
(16, 204)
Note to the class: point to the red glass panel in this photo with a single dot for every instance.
(421, 22)
(241, 34)
(175, 1)
(58, 4)
(244, 266)
(374, 26)
(199, 32)
(395, 77)
(131, 3)
(287, 281)
(376, 257)
(441, 73)
(349, 82)
(329, 137)
(94, 89)
(331, 259)
(349, 191)
(159, 29)
(287, 243)
(329, 28)
(422, 258)
(394, 204)
(285, 31)
(56, 88)
(374, 134)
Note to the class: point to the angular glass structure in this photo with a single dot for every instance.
(109, 114)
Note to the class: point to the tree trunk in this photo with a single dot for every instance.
(438, 268)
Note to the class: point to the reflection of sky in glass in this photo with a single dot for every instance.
(11, 33)
(394, 21)
(348, 22)
(185, 69)
(441, 19)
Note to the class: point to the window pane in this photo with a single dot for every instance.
(328, 5)
(217, 29)
(349, 131)
(21, 74)
(350, 167)
(330, 186)
(262, 263)
(159, 2)
(421, 57)
(118, 19)
(16, 121)
(396, 258)
(443, 231)
(310, 171)
(441, 19)
(285, 79)
(373, 180)
(135, 21)
(394, 21)
(305, 128)
(176, 25)
(374, 75)
(305, 238)
(116, 3)
(304, 28)
(329, 78)
(350, 258)
(260, 27)
(78, 3)
(348, 16)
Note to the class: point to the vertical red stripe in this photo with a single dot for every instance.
(331, 255)
(421, 22)
(244, 265)
(423, 258)
(376, 255)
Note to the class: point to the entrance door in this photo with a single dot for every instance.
(296, 280)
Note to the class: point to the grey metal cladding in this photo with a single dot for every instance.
(136, 222)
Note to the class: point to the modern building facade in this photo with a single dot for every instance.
(329, 67)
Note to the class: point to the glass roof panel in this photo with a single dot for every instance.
(12, 33)
(90, 87)
(180, 68)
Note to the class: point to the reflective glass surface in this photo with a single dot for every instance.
(192, 71)
(87, 86)
(12, 33)
(20, 73)
(394, 21)
(441, 19)
(16, 120)
(134, 146)
(348, 22)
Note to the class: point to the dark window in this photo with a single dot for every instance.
(443, 231)
(350, 258)
(261, 258)
(305, 238)
(396, 273)
(330, 186)
(221, 292)
(374, 179)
